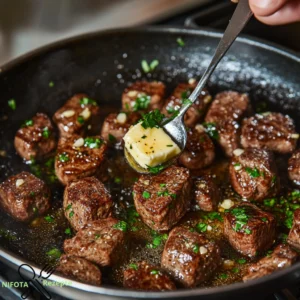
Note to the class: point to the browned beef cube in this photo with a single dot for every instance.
(282, 257)
(146, 277)
(272, 131)
(115, 126)
(294, 167)
(294, 234)
(207, 193)
(162, 200)
(143, 96)
(35, 138)
(189, 257)
(77, 157)
(99, 241)
(196, 111)
(24, 196)
(86, 200)
(199, 151)
(249, 229)
(77, 114)
(79, 269)
(253, 174)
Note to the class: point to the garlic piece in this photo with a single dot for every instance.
(19, 182)
(227, 203)
(121, 118)
(238, 152)
(68, 113)
(200, 128)
(228, 264)
(192, 80)
(78, 143)
(132, 93)
(209, 228)
(238, 167)
(86, 113)
(202, 250)
(295, 136)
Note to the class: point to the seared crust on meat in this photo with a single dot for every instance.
(253, 174)
(207, 193)
(146, 277)
(294, 167)
(189, 257)
(36, 138)
(272, 131)
(72, 162)
(162, 200)
(282, 257)
(113, 130)
(76, 115)
(199, 151)
(79, 269)
(196, 111)
(88, 200)
(99, 241)
(249, 229)
(228, 105)
(24, 196)
(294, 234)
(155, 90)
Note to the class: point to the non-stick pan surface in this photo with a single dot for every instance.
(102, 64)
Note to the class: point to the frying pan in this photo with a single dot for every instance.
(102, 64)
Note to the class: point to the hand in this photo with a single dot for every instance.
(275, 12)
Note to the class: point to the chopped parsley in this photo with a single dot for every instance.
(223, 276)
(133, 266)
(80, 120)
(241, 219)
(235, 270)
(97, 236)
(186, 102)
(54, 253)
(121, 225)
(180, 42)
(214, 216)
(71, 214)
(211, 130)
(269, 253)
(154, 272)
(49, 219)
(68, 231)
(146, 67)
(162, 184)
(288, 222)
(12, 104)
(202, 227)
(152, 119)
(46, 133)
(242, 261)
(196, 248)
(264, 219)
(112, 138)
(270, 202)
(146, 195)
(87, 101)
(157, 239)
(28, 123)
(69, 206)
(117, 180)
(155, 170)
(154, 63)
(141, 103)
(51, 84)
(144, 136)
(254, 173)
(92, 143)
(63, 157)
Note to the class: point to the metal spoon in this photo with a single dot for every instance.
(175, 128)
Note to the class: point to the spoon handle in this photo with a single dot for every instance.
(239, 19)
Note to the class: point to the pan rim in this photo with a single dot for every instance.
(15, 260)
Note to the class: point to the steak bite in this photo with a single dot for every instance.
(189, 257)
(282, 257)
(143, 96)
(77, 114)
(272, 131)
(115, 126)
(77, 157)
(253, 174)
(294, 234)
(35, 138)
(88, 200)
(162, 200)
(228, 105)
(79, 269)
(249, 229)
(182, 92)
(207, 194)
(199, 151)
(294, 167)
(24, 196)
(146, 277)
(99, 241)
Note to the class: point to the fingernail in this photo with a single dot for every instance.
(262, 3)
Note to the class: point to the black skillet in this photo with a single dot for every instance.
(102, 64)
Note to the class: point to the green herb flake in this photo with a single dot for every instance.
(49, 219)
(69, 206)
(215, 216)
(117, 180)
(80, 120)
(71, 214)
(241, 261)
(145, 66)
(235, 270)
(141, 103)
(152, 119)
(68, 231)
(270, 202)
(154, 63)
(154, 272)
(87, 101)
(162, 184)
(146, 195)
(121, 225)
(196, 248)
(223, 276)
(264, 219)
(247, 231)
(180, 42)
(133, 266)
(12, 104)
(46, 133)
(112, 138)
(35, 210)
(144, 136)
(97, 236)
(186, 102)
(254, 173)
(202, 227)
(269, 253)
(63, 157)
(155, 170)
(28, 123)
(54, 253)
(92, 143)
(211, 130)
(51, 84)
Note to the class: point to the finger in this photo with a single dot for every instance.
(265, 8)
(288, 13)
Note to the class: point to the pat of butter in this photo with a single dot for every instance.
(151, 146)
